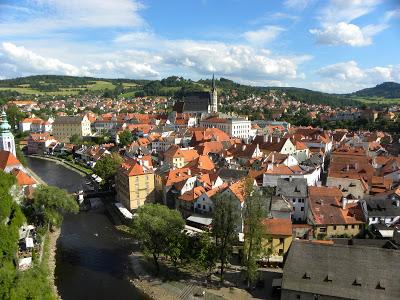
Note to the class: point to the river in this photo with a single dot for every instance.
(92, 256)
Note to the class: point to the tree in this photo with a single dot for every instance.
(177, 244)
(223, 228)
(49, 204)
(21, 157)
(75, 139)
(253, 216)
(206, 256)
(11, 218)
(155, 226)
(14, 116)
(107, 166)
(125, 138)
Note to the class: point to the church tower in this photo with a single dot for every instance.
(7, 142)
(214, 97)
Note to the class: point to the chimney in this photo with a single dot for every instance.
(279, 139)
(290, 178)
(243, 147)
(347, 167)
(397, 203)
(270, 138)
(344, 202)
(189, 172)
(356, 166)
(273, 158)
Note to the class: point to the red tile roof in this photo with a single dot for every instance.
(23, 178)
(7, 159)
(277, 227)
(326, 207)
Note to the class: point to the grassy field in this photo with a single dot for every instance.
(376, 100)
(97, 85)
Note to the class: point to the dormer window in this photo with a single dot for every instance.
(329, 277)
(357, 281)
(381, 285)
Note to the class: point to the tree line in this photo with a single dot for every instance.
(161, 232)
(45, 212)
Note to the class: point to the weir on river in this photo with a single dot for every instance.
(92, 256)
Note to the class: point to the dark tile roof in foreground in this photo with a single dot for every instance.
(346, 272)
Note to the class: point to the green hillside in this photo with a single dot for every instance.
(386, 90)
(44, 86)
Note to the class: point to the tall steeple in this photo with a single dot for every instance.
(214, 97)
(7, 142)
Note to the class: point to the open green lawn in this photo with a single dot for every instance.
(376, 100)
(100, 85)
(97, 85)
(128, 84)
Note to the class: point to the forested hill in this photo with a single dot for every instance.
(387, 90)
(174, 86)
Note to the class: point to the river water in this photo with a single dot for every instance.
(92, 256)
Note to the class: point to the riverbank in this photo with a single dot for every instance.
(51, 246)
(73, 167)
(53, 237)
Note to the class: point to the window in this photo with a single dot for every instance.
(281, 240)
(346, 227)
(334, 227)
(322, 229)
(302, 209)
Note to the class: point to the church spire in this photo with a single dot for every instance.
(213, 82)
(214, 97)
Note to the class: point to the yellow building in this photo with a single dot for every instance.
(66, 126)
(134, 184)
(332, 215)
(277, 237)
(179, 157)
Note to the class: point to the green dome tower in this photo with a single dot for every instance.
(7, 142)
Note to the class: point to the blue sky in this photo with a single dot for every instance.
(328, 45)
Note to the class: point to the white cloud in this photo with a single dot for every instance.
(19, 61)
(274, 16)
(263, 35)
(346, 10)
(337, 27)
(201, 58)
(342, 71)
(229, 60)
(297, 4)
(194, 58)
(392, 14)
(348, 76)
(60, 15)
(347, 34)
(26, 61)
